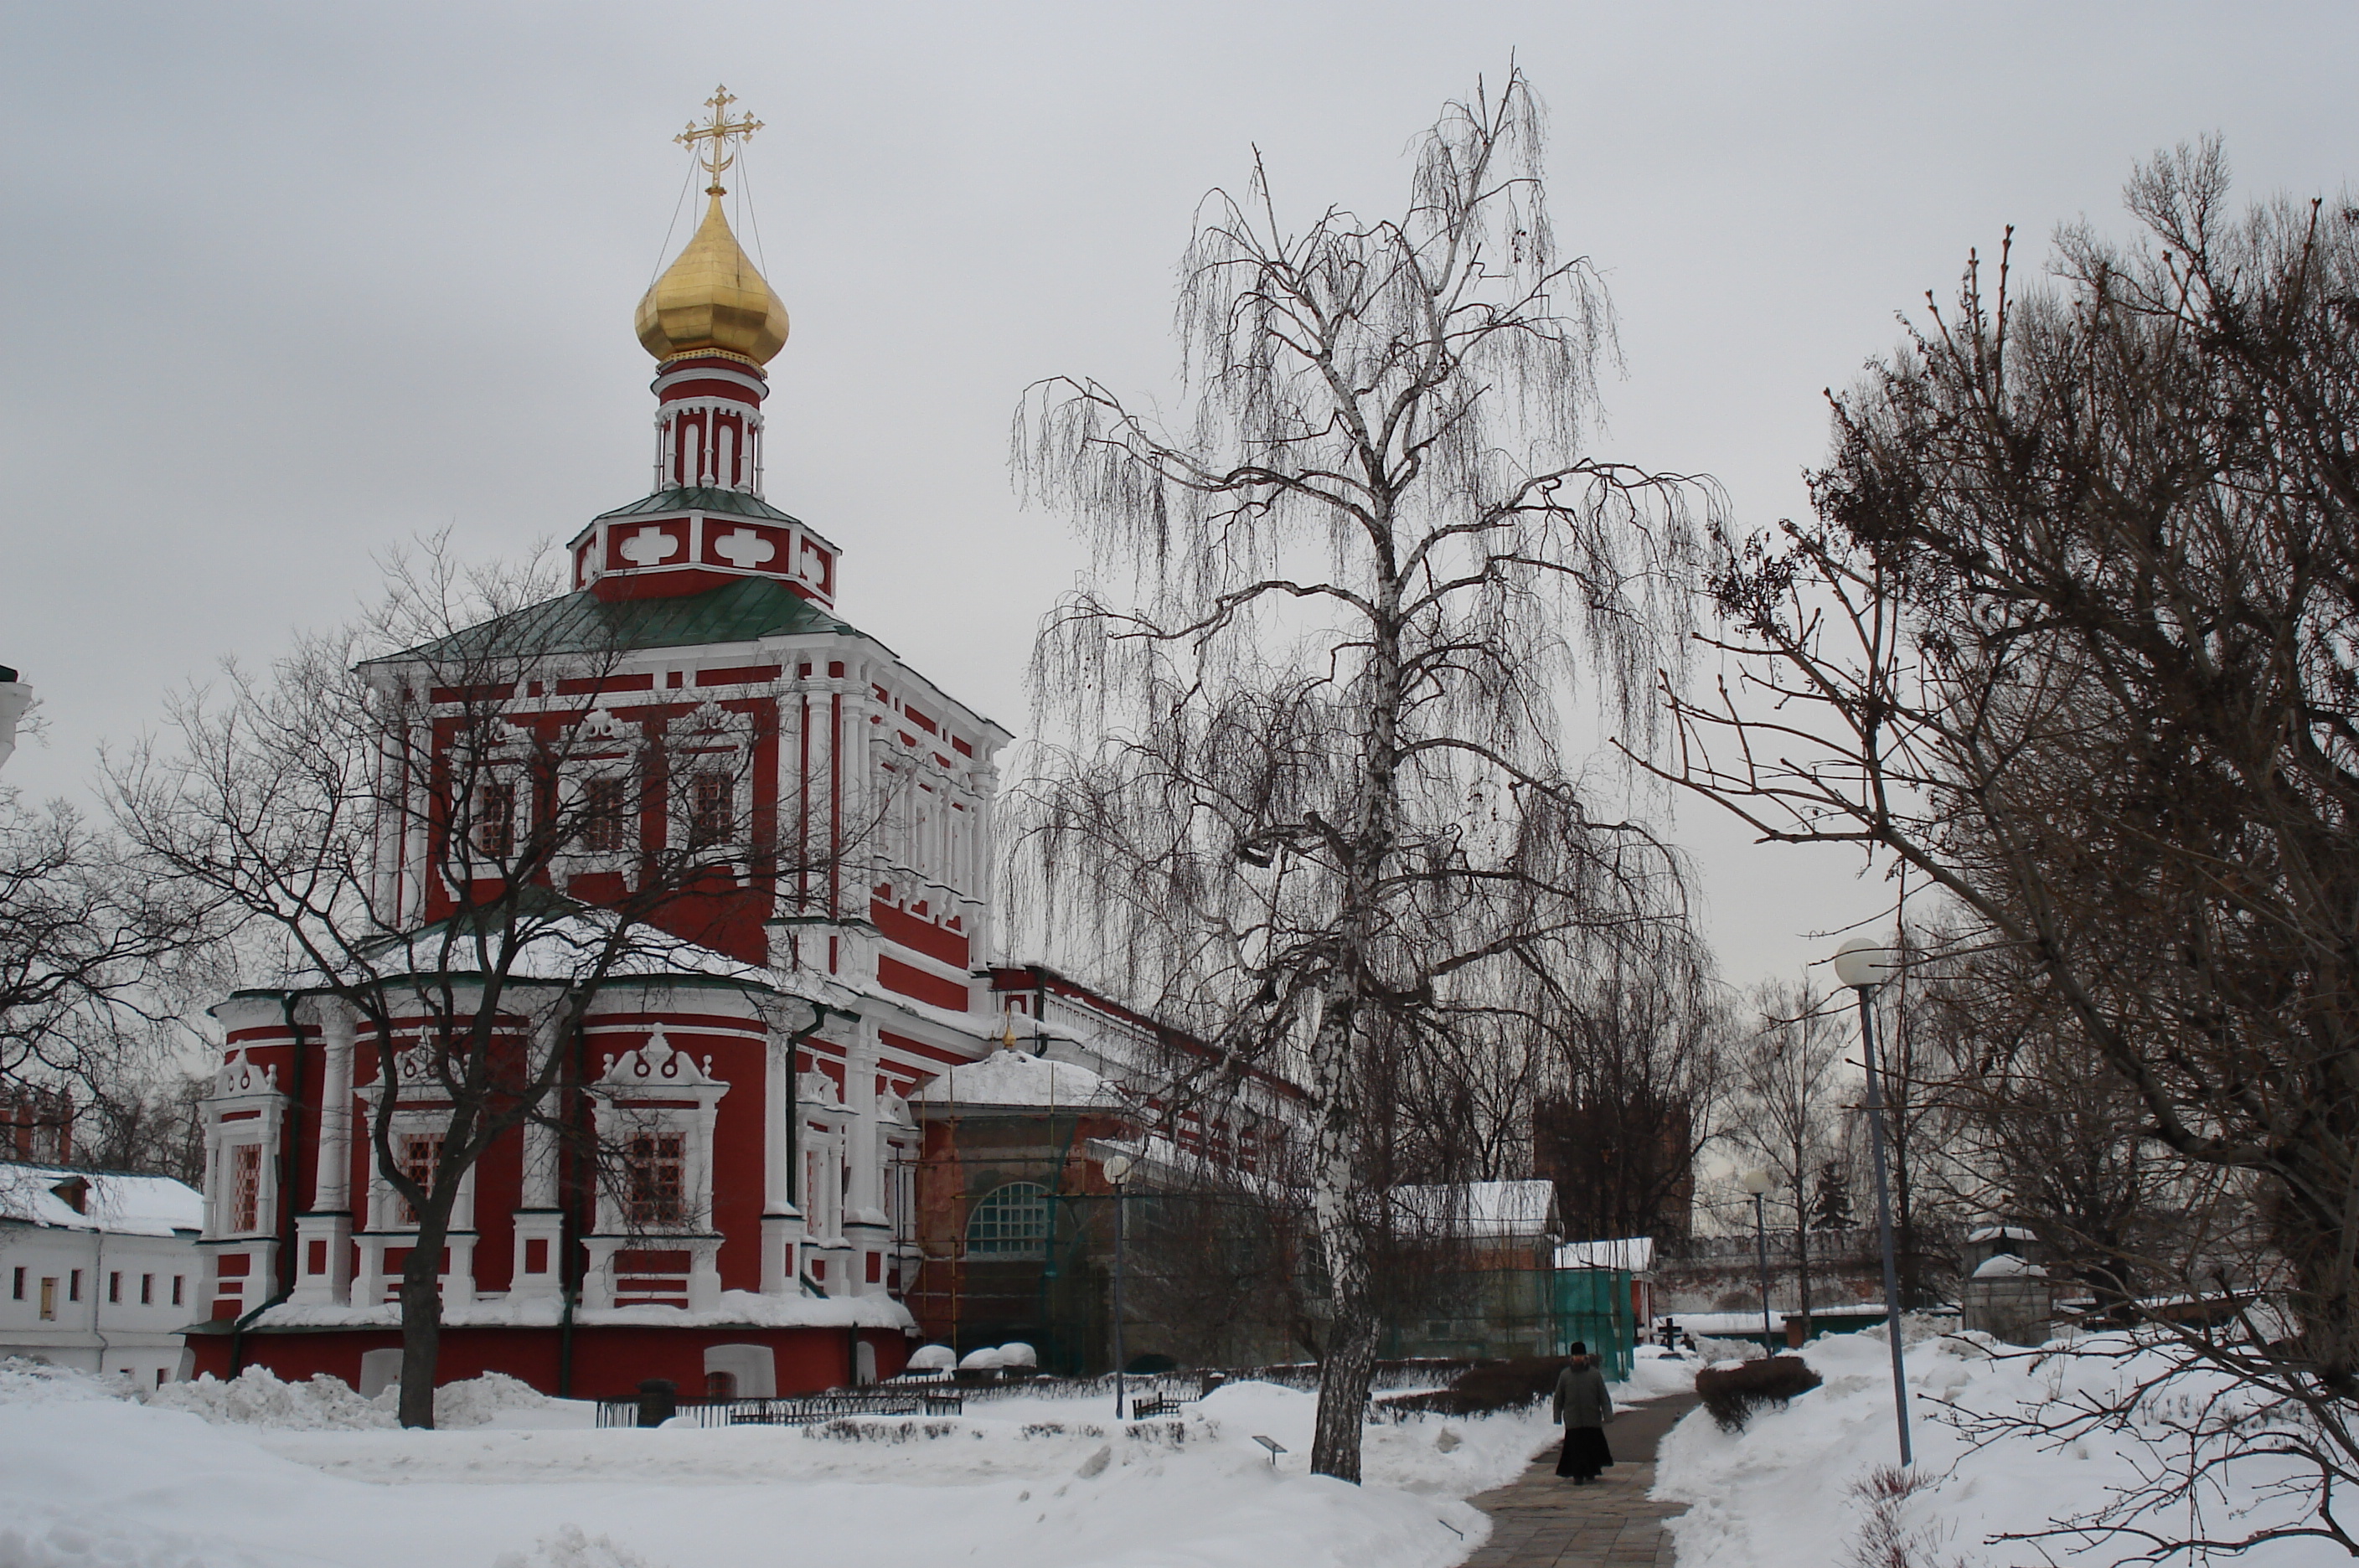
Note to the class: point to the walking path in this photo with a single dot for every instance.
(1539, 1522)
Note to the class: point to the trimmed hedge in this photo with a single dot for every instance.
(1733, 1393)
(1487, 1386)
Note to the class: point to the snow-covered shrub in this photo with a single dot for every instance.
(572, 1546)
(476, 1401)
(257, 1396)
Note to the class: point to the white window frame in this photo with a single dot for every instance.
(384, 1201)
(241, 1086)
(710, 738)
(652, 1091)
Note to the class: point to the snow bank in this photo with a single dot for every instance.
(1655, 1372)
(89, 1476)
(257, 1398)
(1792, 1489)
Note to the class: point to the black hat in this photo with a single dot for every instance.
(1577, 1349)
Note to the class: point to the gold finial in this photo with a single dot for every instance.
(720, 131)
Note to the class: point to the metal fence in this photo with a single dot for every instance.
(801, 1409)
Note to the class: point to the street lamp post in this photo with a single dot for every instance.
(1117, 1171)
(1758, 1183)
(1864, 964)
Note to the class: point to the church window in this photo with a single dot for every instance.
(421, 1153)
(495, 819)
(712, 811)
(653, 1165)
(1009, 1222)
(180, 1284)
(721, 1385)
(245, 1187)
(605, 817)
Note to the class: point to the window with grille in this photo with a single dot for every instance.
(245, 1187)
(1009, 1222)
(605, 816)
(654, 1194)
(712, 811)
(421, 1153)
(495, 819)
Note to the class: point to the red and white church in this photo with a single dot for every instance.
(782, 1248)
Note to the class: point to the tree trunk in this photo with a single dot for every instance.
(1802, 1265)
(421, 1319)
(1343, 1379)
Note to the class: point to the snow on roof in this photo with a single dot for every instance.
(1485, 1208)
(2001, 1233)
(1634, 1254)
(557, 948)
(1019, 1078)
(1748, 1324)
(117, 1203)
(2007, 1266)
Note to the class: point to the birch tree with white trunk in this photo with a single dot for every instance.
(1302, 779)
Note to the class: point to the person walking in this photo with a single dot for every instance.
(1584, 1407)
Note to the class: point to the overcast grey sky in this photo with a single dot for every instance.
(287, 285)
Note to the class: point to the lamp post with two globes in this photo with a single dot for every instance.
(1864, 964)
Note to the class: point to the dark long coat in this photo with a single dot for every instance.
(1581, 1396)
(1584, 1407)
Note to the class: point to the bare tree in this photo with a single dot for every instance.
(456, 823)
(2072, 639)
(2036, 1137)
(95, 957)
(1790, 1097)
(1311, 796)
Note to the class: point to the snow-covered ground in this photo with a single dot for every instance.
(266, 1474)
(1784, 1493)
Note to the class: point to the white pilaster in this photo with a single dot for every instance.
(866, 1224)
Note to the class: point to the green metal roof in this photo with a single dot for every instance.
(702, 498)
(580, 622)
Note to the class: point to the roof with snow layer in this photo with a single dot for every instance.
(114, 1202)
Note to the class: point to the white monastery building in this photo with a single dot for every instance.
(101, 1269)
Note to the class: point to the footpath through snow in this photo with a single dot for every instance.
(1786, 1492)
(266, 1474)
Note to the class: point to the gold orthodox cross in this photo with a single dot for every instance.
(720, 132)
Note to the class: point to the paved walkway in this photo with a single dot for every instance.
(1539, 1522)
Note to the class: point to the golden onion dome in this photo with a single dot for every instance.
(712, 299)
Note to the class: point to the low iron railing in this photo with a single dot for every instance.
(799, 1410)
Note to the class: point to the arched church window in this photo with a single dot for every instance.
(1009, 1222)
